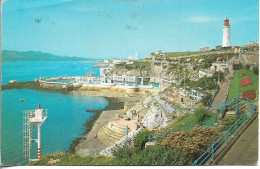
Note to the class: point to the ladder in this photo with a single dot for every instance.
(27, 133)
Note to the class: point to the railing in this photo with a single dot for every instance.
(230, 102)
(159, 136)
(222, 141)
(160, 105)
(212, 97)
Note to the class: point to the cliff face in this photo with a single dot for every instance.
(138, 68)
(133, 72)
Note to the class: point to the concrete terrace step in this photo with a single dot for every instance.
(112, 133)
(108, 136)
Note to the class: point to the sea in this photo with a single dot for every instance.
(66, 112)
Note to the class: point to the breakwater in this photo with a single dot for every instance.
(39, 85)
(116, 88)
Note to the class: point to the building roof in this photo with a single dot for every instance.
(200, 90)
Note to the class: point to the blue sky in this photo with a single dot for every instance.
(119, 28)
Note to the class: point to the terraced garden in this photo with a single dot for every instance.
(241, 83)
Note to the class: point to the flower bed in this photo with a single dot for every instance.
(243, 74)
(245, 82)
(250, 94)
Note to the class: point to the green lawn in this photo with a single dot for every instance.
(236, 88)
(174, 54)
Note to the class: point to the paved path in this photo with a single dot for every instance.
(220, 97)
(245, 149)
(92, 145)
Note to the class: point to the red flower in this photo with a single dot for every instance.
(245, 82)
(250, 94)
(243, 74)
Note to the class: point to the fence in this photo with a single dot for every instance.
(230, 102)
(222, 142)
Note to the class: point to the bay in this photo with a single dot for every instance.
(66, 112)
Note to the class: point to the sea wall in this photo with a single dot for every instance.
(52, 85)
(115, 88)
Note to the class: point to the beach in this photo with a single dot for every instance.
(88, 142)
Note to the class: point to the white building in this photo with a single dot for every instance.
(124, 79)
(205, 73)
(222, 66)
(204, 49)
(88, 79)
(226, 34)
(104, 71)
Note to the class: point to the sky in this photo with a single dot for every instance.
(106, 29)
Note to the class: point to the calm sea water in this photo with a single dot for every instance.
(66, 113)
(29, 71)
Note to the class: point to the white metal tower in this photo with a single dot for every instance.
(226, 34)
(32, 118)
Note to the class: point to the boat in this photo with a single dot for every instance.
(23, 100)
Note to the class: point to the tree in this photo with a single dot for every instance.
(256, 70)
(247, 67)
(237, 66)
(140, 140)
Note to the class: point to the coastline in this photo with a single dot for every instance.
(113, 104)
(87, 143)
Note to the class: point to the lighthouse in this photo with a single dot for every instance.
(33, 118)
(226, 34)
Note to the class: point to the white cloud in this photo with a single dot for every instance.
(201, 19)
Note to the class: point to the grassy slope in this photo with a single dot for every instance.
(174, 54)
(236, 83)
(76, 160)
(189, 119)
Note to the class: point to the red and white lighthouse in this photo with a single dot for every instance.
(226, 34)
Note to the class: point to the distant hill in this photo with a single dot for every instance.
(16, 56)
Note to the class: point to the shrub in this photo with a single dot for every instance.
(202, 114)
(140, 140)
(124, 152)
(205, 100)
(158, 155)
(194, 143)
(227, 122)
(256, 70)
(247, 67)
(237, 66)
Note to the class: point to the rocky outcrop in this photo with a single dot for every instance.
(154, 118)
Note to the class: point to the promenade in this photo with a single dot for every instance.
(245, 149)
